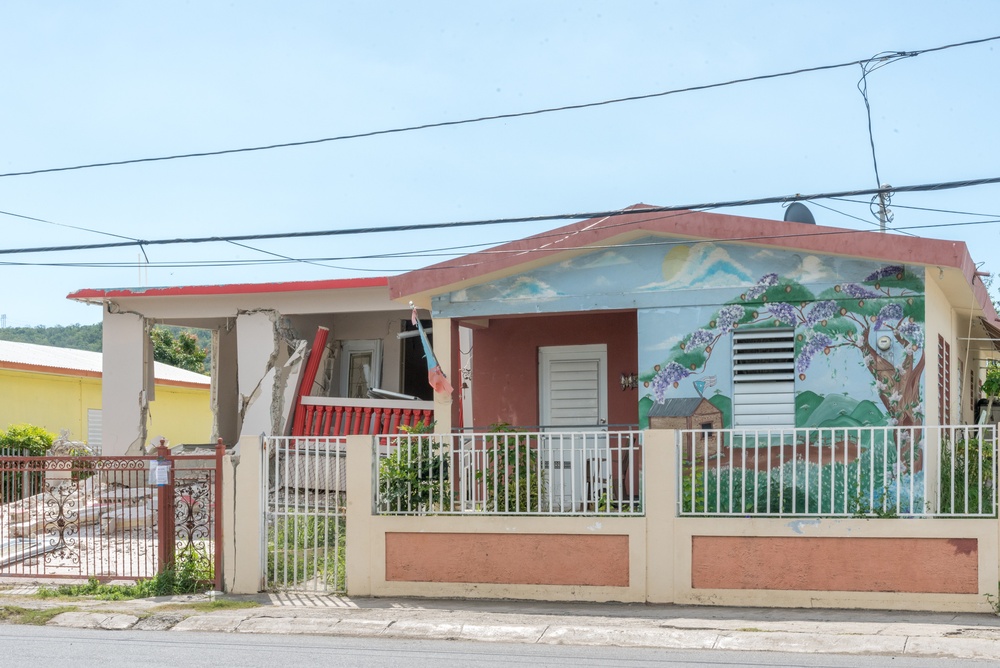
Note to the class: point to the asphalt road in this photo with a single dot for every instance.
(79, 648)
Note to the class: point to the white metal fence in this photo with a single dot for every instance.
(512, 473)
(304, 497)
(855, 472)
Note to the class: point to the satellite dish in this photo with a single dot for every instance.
(797, 212)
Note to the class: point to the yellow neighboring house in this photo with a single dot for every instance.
(60, 388)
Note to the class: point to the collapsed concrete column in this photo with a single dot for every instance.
(126, 384)
(256, 342)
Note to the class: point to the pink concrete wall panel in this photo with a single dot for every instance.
(505, 368)
(911, 565)
(524, 559)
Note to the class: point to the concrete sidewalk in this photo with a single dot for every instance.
(967, 636)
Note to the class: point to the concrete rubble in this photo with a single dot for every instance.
(858, 632)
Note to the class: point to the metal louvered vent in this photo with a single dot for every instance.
(764, 378)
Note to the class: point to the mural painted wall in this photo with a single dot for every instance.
(858, 327)
(839, 310)
(690, 297)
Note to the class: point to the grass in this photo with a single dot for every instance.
(210, 606)
(192, 573)
(13, 614)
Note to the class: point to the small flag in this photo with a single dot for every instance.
(435, 376)
(706, 381)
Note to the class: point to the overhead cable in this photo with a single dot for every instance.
(926, 187)
(493, 117)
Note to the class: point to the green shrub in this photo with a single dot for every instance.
(513, 480)
(967, 466)
(414, 477)
(30, 440)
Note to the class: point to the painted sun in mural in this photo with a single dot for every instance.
(674, 261)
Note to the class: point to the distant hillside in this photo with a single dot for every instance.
(78, 337)
(86, 337)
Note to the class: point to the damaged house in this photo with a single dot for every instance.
(323, 357)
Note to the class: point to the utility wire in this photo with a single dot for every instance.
(853, 217)
(72, 227)
(495, 117)
(927, 187)
(924, 208)
(820, 232)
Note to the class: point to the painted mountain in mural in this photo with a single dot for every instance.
(835, 410)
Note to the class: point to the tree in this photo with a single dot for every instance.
(848, 316)
(181, 351)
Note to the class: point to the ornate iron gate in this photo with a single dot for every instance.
(304, 496)
(104, 517)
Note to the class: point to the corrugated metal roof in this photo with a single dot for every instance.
(89, 363)
(682, 407)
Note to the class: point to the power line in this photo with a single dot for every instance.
(927, 187)
(72, 227)
(819, 232)
(924, 208)
(496, 117)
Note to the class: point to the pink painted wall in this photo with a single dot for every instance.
(525, 559)
(505, 363)
(912, 565)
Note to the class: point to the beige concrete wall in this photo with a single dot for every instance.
(939, 320)
(902, 564)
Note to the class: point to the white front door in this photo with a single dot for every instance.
(573, 395)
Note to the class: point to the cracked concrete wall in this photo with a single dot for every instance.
(124, 395)
(269, 364)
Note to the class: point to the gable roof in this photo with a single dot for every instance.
(635, 222)
(678, 407)
(18, 356)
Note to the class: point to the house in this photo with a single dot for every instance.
(266, 378)
(787, 324)
(688, 413)
(61, 389)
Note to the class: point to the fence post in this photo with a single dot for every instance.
(659, 472)
(358, 562)
(243, 511)
(165, 511)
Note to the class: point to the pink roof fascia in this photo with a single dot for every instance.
(233, 289)
(694, 225)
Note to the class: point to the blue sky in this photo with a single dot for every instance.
(104, 81)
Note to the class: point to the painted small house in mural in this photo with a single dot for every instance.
(686, 413)
(758, 326)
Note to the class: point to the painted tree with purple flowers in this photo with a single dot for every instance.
(845, 317)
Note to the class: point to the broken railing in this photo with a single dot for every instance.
(339, 416)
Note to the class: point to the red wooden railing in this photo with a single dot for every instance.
(335, 416)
